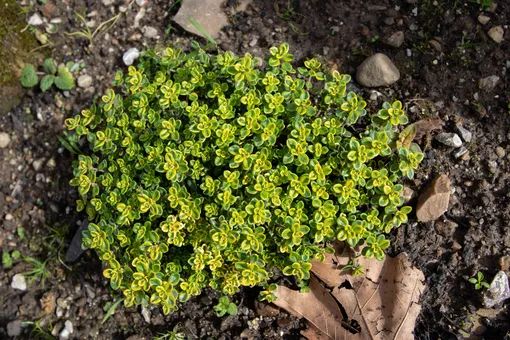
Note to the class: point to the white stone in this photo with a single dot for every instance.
(465, 134)
(377, 70)
(449, 139)
(483, 19)
(37, 164)
(18, 282)
(108, 2)
(496, 33)
(35, 20)
(14, 328)
(84, 81)
(5, 139)
(150, 32)
(130, 56)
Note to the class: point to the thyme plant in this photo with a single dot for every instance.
(206, 170)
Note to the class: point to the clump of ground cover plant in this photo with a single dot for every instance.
(207, 171)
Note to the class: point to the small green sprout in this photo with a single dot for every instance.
(110, 308)
(6, 260)
(90, 35)
(354, 268)
(224, 306)
(38, 272)
(479, 281)
(61, 76)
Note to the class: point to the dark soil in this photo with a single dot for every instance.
(437, 80)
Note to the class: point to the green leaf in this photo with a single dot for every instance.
(202, 30)
(111, 310)
(6, 260)
(49, 66)
(46, 82)
(64, 80)
(28, 76)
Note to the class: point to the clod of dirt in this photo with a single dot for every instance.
(377, 70)
(445, 228)
(208, 14)
(49, 302)
(433, 202)
(383, 304)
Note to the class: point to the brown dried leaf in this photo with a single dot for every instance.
(384, 301)
(425, 126)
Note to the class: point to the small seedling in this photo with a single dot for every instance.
(70, 143)
(38, 332)
(484, 4)
(224, 306)
(479, 281)
(171, 335)
(61, 76)
(38, 272)
(354, 268)
(202, 30)
(110, 309)
(21, 233)
(6, 260)
(90, 35)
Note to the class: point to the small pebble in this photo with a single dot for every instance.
(461, 152)
(483, 19)
(449, 139)
(14, 328)
(496, 33)
(5, 139)
(500, 152)
(150, 32)
(37, 164)
(130, 56)
(465, 134)
(35, 20)
(18, 282)
(84, 81)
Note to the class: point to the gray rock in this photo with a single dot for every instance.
(37, 164)
(5, 139)
(498, 291)
(483, 19)
(18, 282)
(377, 70)
(150, 32)
(108, 2)
(433, 202)
(130, 56)
(146, 314)
(496, 33)
(488, 83)
(35, 20)
(84, 81)
(449, 139)
(465, 134)
(395, 40)
(209, 14)
(75, 250)
(14, 328)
